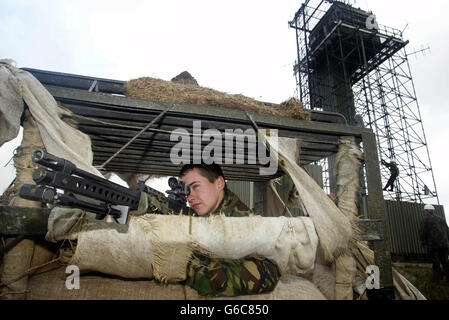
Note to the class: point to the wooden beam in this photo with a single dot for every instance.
(77, 81)
(376, 209)
(318, 139)
(204, 112)
(370, 229)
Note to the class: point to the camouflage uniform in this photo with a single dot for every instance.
(219, 277)
(434, 235)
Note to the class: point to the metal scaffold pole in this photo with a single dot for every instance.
(360, 69)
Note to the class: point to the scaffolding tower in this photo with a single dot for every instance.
(348, 63)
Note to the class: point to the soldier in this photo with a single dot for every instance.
(219, 277)
(434, 235)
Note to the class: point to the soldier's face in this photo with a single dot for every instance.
(205, 196)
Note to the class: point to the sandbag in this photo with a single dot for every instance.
(290, 242)
(288, 288)
(19, 259)
(59, 138)
(332, 226)
(50, 284)
(11, 105)
(115, 249)
(161, 245)
(347, 169)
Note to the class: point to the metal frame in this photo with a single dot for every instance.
(344, 67)
(111, 120)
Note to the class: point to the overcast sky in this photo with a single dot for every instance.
(233, 46)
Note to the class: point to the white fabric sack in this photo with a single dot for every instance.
(290, 242)
(332, 226)
(111, 248)
(64, 223)
(59, 138)
(161, 245)
(11, 106)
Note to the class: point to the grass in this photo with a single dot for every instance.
(421, 277)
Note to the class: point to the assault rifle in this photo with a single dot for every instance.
(110, 198)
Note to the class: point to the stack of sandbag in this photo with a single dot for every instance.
(161, 245)
(50, 284)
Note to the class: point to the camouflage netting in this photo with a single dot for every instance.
(184, 89)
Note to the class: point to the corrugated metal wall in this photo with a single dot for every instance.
(244, 189)
(316, 172)
(403, 221)
(403, 218)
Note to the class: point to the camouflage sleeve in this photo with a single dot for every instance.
(155, 204)
(219, 277)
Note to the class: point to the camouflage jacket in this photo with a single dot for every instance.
(220, 277)
(230, 206)
(434, 232)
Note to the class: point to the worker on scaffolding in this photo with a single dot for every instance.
(394, 172)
